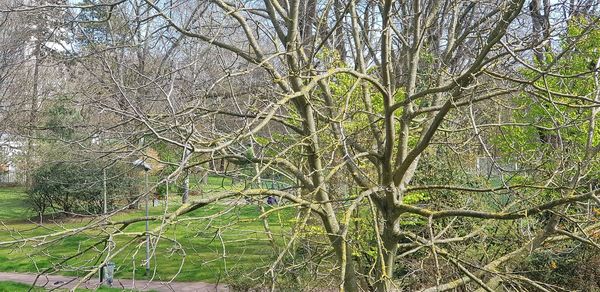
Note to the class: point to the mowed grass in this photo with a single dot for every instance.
(13, 204)
(212, 244)
(7, 286)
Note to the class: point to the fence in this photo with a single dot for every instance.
(487, 166)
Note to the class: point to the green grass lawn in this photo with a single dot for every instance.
(214, 243)
(7, 286)
(13, 205)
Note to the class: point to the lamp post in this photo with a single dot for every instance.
(104, 195)
(141, 164)
(104, 271)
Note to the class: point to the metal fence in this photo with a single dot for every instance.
(488, 166)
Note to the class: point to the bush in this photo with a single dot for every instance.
(161, 189)
(574, 267)
(72, 188)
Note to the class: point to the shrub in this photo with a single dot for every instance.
(72, 188)
(574, 267)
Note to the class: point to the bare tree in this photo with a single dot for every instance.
(384, 112)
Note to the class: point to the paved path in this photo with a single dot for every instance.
(64, 282)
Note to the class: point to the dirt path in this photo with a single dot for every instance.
(64, 282)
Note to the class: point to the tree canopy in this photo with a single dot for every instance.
(420, 145)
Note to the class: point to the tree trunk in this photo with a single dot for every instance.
(385, 270)
(33, 114)
(350, 279)
(186, 188)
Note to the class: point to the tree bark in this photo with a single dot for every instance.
(186, 188)
(33, 114)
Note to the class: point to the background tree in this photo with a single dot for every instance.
(376, 115)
